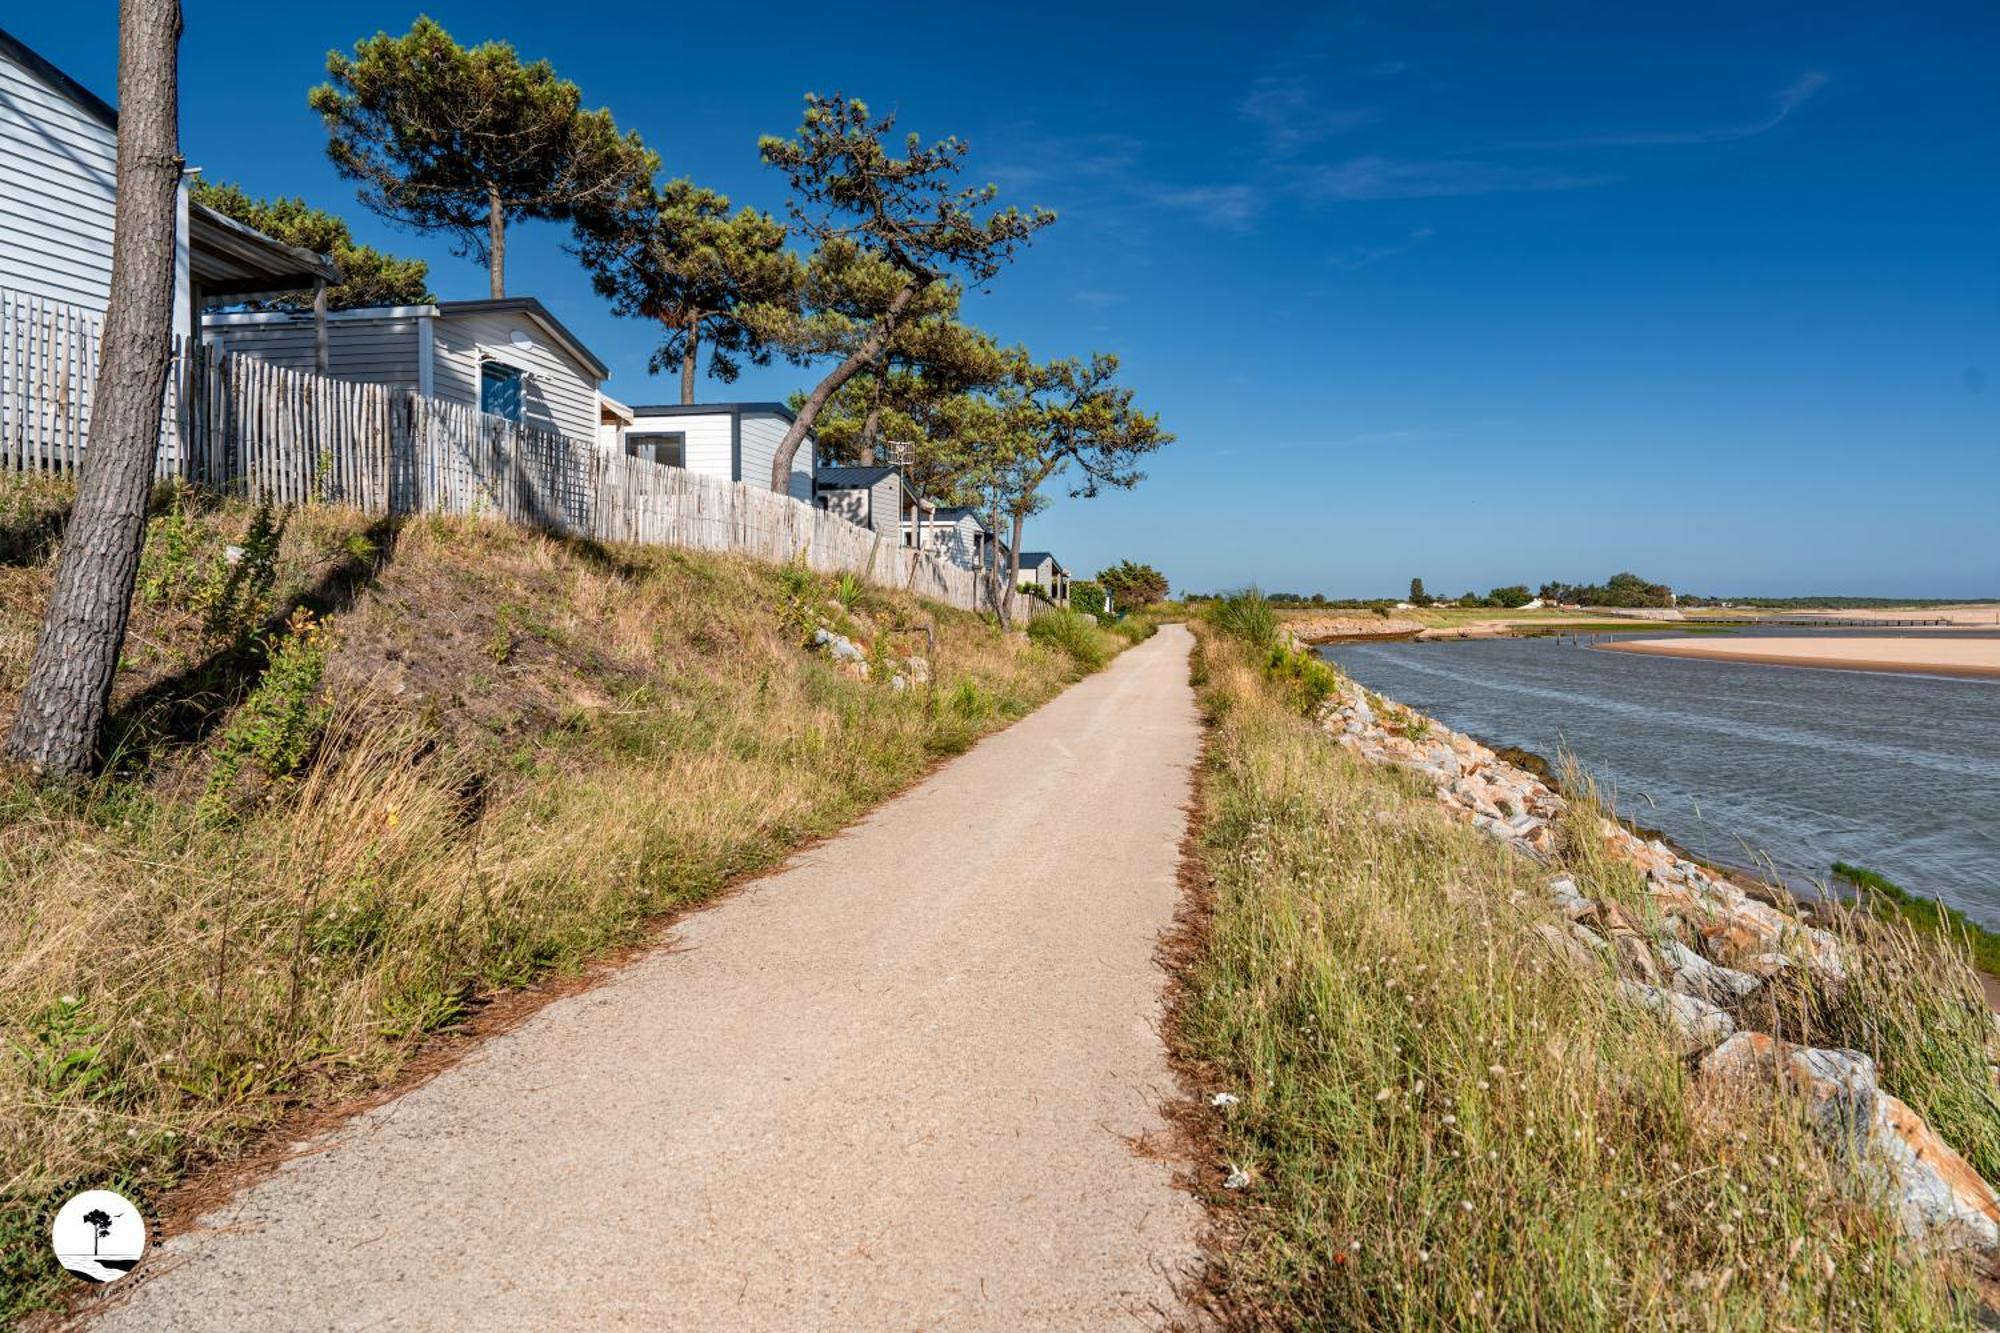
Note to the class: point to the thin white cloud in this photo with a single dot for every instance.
(1289, 112)
(1043, 162)
(1373, 178)
(1783, 103)
(1361, 256)
(1232, 206)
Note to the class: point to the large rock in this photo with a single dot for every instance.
(843, 648)
(1700, 1024)
(1936, 1194)
(1694, 975)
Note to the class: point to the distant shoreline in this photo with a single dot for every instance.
(1969, 658)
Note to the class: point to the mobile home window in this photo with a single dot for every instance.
(669, 447)
(500, 390)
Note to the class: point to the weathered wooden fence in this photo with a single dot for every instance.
(48, 366)
(250, 428)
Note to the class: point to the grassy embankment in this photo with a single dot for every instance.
(1927, 915)
(366, 777)
(1443, 1129)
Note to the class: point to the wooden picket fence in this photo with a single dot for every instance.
(246, 427)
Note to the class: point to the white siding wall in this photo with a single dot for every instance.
(762, 434)
(954, 541)
(850, 505)
(58, 187)
(886, 516)
(707, 438)
(367, 351)
(560, 395)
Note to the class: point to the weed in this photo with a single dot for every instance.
(1246, 615)
(1076, 635)
(500, 645)
(277, 727)
(233, 594)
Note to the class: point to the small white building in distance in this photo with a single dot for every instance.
(727, 441)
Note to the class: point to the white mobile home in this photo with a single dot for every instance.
(1047, 573)
(58, 199)
(509, 357)
(878, 498)
(728, 441)
(953, 533)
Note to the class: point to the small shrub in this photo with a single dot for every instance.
(500, 646)
(798, 582)
(277, 727)
(849, 591)
(234, 599)
(1074, 634)
(1133, 629)
(1246, 615)
(1306, 680)
(968, 702)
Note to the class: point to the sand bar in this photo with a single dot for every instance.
(1932, 656)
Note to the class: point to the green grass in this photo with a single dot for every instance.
(1925, 914)
(1444, 1130)
(1246, 615)
(1075, 634)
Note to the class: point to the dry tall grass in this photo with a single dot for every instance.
(539, 747)
(1443, 1128)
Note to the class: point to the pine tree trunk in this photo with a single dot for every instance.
(68, 691)
(871, 426)
(871, 347)
(496, 242)
(688, 355)
(1014, 566)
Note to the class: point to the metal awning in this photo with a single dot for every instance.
(231, 262)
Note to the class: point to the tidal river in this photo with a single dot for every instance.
(1770, 768)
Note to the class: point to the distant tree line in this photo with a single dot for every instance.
(1625, 589)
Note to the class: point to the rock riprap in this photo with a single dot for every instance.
(1711, 948)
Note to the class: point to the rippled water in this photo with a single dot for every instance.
(1737, 762)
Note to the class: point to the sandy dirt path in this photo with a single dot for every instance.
(1934, 656)
(892, 1086)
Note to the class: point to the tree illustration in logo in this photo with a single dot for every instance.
(99, 1223)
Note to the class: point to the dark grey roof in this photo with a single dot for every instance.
(854, 476)
(953, 513)
(232, 259)
(711, 409)
(535, 310)
(1036, 557)
(19, 51)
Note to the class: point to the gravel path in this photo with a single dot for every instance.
(892, 1086)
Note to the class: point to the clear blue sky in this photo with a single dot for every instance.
(1709, 291)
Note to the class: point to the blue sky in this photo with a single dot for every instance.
(1707, 291)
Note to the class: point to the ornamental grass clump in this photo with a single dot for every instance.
(1077, 635)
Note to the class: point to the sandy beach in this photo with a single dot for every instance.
(1933, 656)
